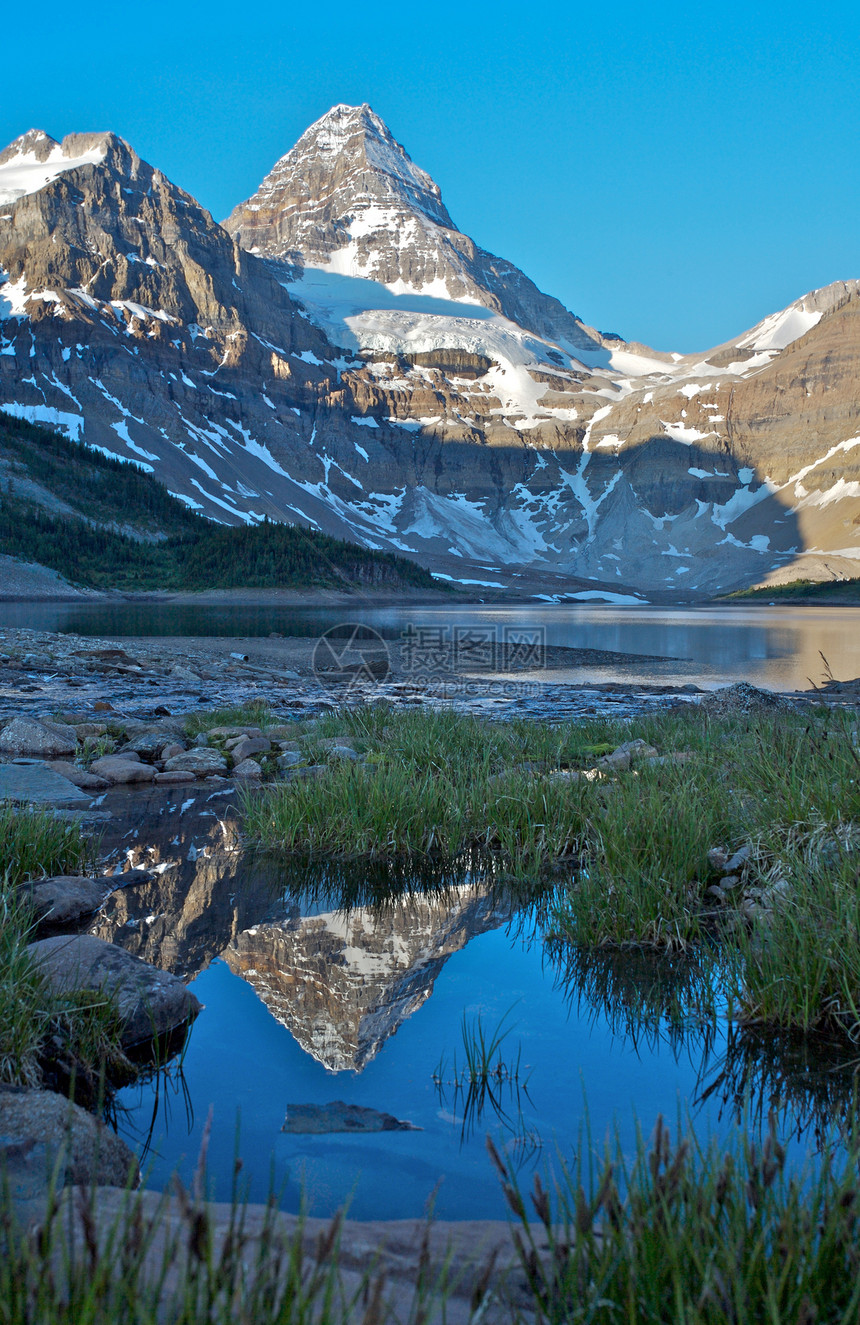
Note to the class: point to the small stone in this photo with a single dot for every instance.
(715, 891)
(199, 761)
(737, 862)
(122, 769)
(728, 881)
(343, 754)
(169, 779)
(244, 746)
(171, 749)
(628, 754)
(78, 776)
(66, 899)
(718, 859)
(289, 759)
(249, 770)
(41, 1133)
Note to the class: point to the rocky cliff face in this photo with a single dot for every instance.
(354, 364)
(348, 198)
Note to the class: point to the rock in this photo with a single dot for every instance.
(308, 772)
(289, 759)
(728, 881)
(46, 740)
(85, 729)
(171, 749)
(334, 742)
(120, 769)
(150, 1002)
(343, 754)
(37, 784)
(233, 733)
(185, 677)
(39, 1129)
(200, 761)
(201, 741)
(168, 779)
(242, 747)
(744, 698)
(288, 747)
(79, 777)
(317, 1119)
(64, 900)
(248, 769)
(718, 859)
(737, 862)
(146, 746)
(628, 754)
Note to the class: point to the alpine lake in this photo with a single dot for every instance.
(334, 988)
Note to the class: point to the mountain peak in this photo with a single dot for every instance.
(35, 143)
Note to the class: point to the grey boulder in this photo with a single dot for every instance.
(122, 769)
(41, 1132)
(44, 740)
(200, 760)
(150, 1002)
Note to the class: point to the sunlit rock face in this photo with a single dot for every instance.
(342, 982)
(348, 360)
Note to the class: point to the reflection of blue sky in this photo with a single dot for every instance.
(241, 1060)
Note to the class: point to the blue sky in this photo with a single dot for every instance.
(668, 174)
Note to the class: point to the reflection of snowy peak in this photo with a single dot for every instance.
(343, 982)
(348, 199)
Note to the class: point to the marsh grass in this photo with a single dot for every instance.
(631, 845)
(253, 713)
(702, 1236)
(35, 843)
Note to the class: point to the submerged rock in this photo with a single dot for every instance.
(317, 1119)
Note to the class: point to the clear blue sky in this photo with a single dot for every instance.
(671, 172)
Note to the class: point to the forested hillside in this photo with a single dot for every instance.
(104, 525)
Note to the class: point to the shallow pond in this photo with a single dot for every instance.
(326, 984)
(778, 647)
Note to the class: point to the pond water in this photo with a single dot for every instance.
(777, 647)
(326, 983)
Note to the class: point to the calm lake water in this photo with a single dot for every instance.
(776, 647)
(325, 984)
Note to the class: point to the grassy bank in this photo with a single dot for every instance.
(641, 850)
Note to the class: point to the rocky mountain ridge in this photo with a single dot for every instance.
(354, 364)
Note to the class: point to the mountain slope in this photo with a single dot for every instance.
(349, 199)
(413, 416)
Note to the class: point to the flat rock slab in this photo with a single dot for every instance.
(28, 736)
(42, 1134)
(151, 1003)
(36, 784)
(319, 1119)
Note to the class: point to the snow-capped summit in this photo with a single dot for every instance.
(349, 199)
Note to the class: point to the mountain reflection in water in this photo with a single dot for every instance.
(341, 955)
(311, 968)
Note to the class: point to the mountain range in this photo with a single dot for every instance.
(338, 355)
